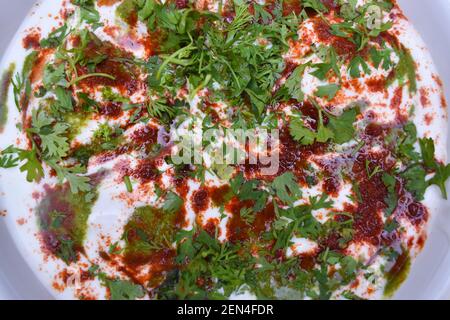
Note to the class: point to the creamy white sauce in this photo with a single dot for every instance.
(115, 205)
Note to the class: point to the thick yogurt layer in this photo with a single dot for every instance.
(115, 205)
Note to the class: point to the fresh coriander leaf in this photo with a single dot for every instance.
(242, 18)
(8, 158)
(160, 109)
(320, 203)
(391, 225)
(109, 95)
(284, 234)
(54, 143)
(173, 203)
(236, 183)
(300, 133)
(124, 290)
(18, 84)
(294, 83)
(66, 250)
(324, 286)
(72, 176)
(330, 64)
(248, 215)
(355, 66)
(405, 145)
(405, 70)
(259, 99)
(321, 70)
(440, 178)
(262, 13)
(427, 151)
(250, 191)
(8, 161)
(328, 91)
(306, 136)
(64, 98)
(286, 188)
(87, 103)
(415, 181)
(349, 295)
(323, 133)
(349, 267)
(32, 166)
(348, 10)
(391, 199)
(128, 184)
(342, 126)
(55, 38)
(442, 172)
(21, 82)
(316, 5)
(357, 191)
(54, 76)
(381, 57)
(88, 12)
(186, 249)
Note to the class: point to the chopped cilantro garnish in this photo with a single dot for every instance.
(339, 129)
(328, 91)
(286, 188)
(238, 59)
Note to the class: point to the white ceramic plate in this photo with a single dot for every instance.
(430, 274)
